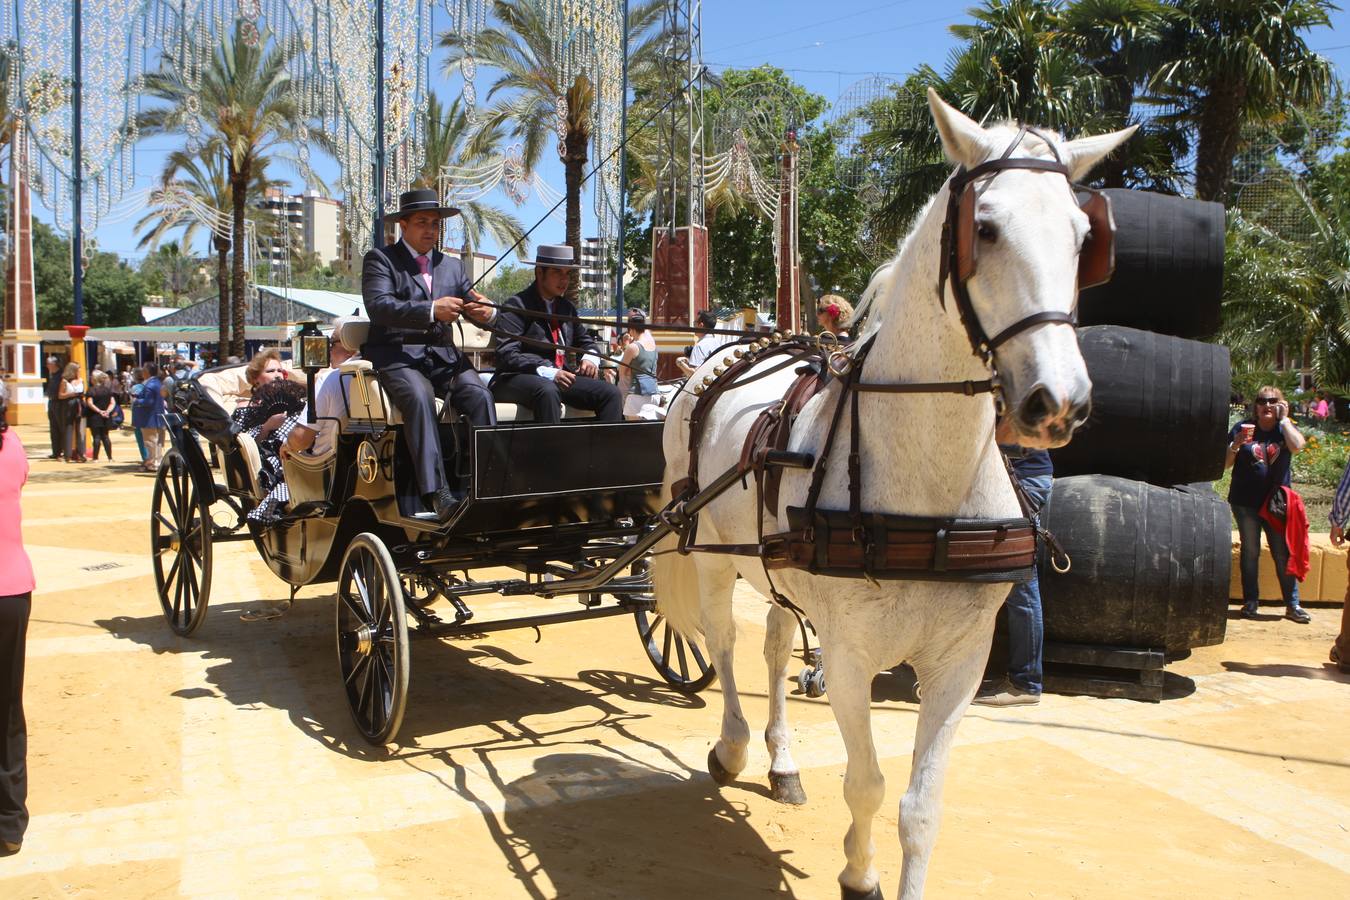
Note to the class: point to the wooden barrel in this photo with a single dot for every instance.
(1159, 408)
(1150, 565)
(1169, 266)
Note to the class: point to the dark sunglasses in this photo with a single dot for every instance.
(1267, 401)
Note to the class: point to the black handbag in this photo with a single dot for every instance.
(1277, 503)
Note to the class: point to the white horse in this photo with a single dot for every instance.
(922, 455)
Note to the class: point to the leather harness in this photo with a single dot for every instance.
(854, 543)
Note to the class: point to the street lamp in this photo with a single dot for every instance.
(309, 351)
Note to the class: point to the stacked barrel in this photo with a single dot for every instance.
(1148, 538)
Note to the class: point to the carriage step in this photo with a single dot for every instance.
(312, 508)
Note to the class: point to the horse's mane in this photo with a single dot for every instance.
(880, 296)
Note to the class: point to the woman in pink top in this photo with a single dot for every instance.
(16, 600)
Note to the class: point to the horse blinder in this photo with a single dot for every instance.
(1096, 261)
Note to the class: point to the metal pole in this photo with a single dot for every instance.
(623, 176)
(77, 163)
(378, 238)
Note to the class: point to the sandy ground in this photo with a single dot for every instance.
(226, 765)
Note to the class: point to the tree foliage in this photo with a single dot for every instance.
(113, 291)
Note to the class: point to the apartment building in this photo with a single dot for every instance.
(315, 226)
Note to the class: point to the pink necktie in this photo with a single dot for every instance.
(425, 265)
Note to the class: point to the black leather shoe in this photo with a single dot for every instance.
(1297, 614)
(443, 504)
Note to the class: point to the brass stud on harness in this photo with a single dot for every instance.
(775, 337)
(717, 371)
(739, 354)
(707, 380)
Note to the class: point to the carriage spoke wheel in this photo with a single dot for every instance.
(180, 544)
(680, 661)
(372, 639)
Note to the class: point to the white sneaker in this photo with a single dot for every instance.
(1007, 694)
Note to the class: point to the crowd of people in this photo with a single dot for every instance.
(97, 407)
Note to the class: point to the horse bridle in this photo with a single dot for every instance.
(960, 241)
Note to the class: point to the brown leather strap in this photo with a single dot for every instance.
(969, 388)
(822, 461)
(898, 547)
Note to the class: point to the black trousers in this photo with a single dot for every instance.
(98, 430)
(414, 392)
(544, 398)
(56, 424)
(14, 612)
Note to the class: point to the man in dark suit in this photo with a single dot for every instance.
(534, 352)
(413, 294)
(56, 409)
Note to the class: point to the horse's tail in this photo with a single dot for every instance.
(675, 582)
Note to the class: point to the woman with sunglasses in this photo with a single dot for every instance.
(1260, 451)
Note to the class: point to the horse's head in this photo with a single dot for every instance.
(1026, 229)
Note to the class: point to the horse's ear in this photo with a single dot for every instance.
(1084, 153)
(964, 141)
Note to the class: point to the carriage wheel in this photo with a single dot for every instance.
(372, 639)
(180, 544)
(681, 662)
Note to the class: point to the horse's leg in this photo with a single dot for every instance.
(716, 582)
(784, 781)
(949, 676)
(850, 696)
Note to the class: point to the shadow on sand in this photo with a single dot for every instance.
(290, 664)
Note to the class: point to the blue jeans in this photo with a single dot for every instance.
(1025, 627)
(1250, 525)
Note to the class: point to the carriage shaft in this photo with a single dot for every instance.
(675, 518)
(625, 607)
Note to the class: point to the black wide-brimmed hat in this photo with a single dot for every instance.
(420, 200)
(555, 256)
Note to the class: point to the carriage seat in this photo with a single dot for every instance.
(516, 412)
(248, 449)
(229, 386)
(367, 405)
(366, 401)
(309, 478)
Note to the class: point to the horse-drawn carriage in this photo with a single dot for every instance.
(566, 506)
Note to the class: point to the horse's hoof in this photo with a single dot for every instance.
(718, 771)
(786, 787)
(849, 893)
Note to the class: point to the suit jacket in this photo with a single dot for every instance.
(402, 331)
(515, 355)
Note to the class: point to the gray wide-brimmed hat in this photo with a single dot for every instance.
(555, 256)
(420, 200)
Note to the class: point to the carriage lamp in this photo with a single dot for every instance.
(309, 350)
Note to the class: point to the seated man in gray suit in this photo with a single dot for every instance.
(413, 294)
(535, 352)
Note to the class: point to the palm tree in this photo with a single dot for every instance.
(252, 107)
(204, 177)
(531, 94)
(1230, 63)
(450, 141)
(1019, 63)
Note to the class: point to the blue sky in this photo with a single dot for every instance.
(825, 47)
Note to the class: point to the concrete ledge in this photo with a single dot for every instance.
(1327, 576)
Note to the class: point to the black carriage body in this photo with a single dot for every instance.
(571, 506)
(534, 491)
